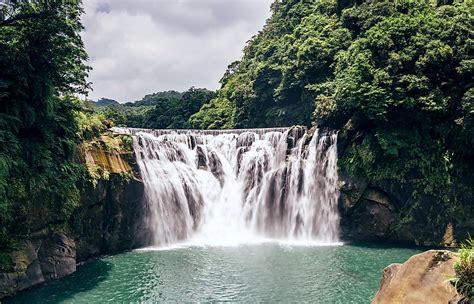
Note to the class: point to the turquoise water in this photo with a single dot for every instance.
(253, 273)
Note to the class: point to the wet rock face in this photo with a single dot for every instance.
(209, 160)
(295, 134)
(110, 219)
(389, 211)
(367, 213)
(57, 256)
(47, 256)
(421, 279)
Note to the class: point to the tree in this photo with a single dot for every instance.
(42, 65)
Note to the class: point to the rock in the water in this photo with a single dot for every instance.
(46, 257)
(421, 279)
(57, 256)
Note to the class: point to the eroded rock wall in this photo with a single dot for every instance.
(399, 210)
(44, 257)
(390, 211)
(110, 218)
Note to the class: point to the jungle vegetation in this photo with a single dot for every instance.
(42, 68)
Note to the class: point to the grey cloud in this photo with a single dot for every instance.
(103, 7)
(144, 46)
(197, 16)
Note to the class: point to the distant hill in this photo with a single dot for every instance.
(160, 110)
(104, 102)
(148, 100)
(152, 99)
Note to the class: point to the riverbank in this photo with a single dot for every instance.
(107, 221)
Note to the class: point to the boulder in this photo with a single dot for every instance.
(421, 279)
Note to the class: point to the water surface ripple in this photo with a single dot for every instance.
(270, 272)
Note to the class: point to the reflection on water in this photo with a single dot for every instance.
(254, 273)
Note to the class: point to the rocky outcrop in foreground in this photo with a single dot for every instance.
(421, 279)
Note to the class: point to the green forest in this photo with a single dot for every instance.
(395, 78)
(42, 67)
(162, 110)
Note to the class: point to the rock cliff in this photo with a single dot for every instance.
(44, 257)
(383, 211)
(107, 221)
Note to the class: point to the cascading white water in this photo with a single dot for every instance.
(233, 186)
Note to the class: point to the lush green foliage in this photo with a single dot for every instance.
(215, 114)
(41, 67)
(6, 262)
(464, 269)
(162, 110)
(272, 84)
(405, 83)
(90, 124)
(398, 72)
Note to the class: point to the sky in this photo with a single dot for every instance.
(144, 46)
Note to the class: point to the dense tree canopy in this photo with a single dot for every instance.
(272, 84)
(291, 66)
(406, 82)
(41, 66)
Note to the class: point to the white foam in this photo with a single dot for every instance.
(229, 188)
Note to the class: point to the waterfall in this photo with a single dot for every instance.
(232, 186)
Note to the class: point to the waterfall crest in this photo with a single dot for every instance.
(226, 186)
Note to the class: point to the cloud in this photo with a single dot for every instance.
(143, 46)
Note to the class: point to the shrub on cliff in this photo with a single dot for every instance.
(464, 269)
